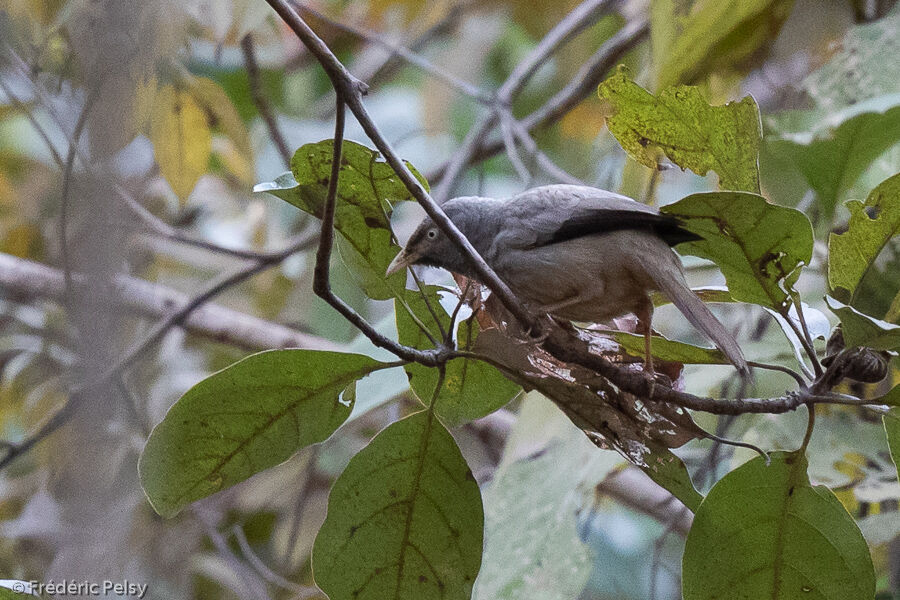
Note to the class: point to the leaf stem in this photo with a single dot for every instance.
(810, 425)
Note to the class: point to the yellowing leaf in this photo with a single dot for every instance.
(220, 111)
(682, 125)
(23, 241)
(694, 37)
(181, 139)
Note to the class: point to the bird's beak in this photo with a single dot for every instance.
(400, 262)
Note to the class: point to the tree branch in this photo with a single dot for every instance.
(28, 280)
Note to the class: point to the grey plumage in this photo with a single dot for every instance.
(575, 252)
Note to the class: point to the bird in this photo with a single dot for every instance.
(576, 253)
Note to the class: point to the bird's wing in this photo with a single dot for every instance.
(552, 214)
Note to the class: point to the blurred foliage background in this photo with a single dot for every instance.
(131, 135)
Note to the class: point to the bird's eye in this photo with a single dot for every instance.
(432, 233)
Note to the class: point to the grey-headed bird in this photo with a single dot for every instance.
(573, 252)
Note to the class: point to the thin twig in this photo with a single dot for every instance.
(512, 153)
(580, 18)
(448, 338)
(579, 87)
(543, 161)
(406, 54)
(66, 191)
(445, 25)
(782, 369)
(462, 156)
(260, 100)
(253, 584)
(810, 346)
(301, 591)
(309, 473)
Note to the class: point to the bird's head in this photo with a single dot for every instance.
(430, 246)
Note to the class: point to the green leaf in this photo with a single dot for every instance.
(851, 254)
(531, 512)
(692, 38)
(404, 519)
(367, 188)
(861, 329)
(681, 124)
(891, 398)
(892, 425)
(671, 350)
(838, 150)
(471, 388)
(247, 418)
(668, 471)
(864, 66)
(760, 247)
(766, 532)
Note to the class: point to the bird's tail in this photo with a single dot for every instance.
(672, 283)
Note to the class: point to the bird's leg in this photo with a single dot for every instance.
(644, 314)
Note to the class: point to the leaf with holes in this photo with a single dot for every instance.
(247, 418)
(472, 388)
(850, 254)
(182, 141)
(404, 519)
(682, 125)
(767, 532)
(760, 247)
(367, 188)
